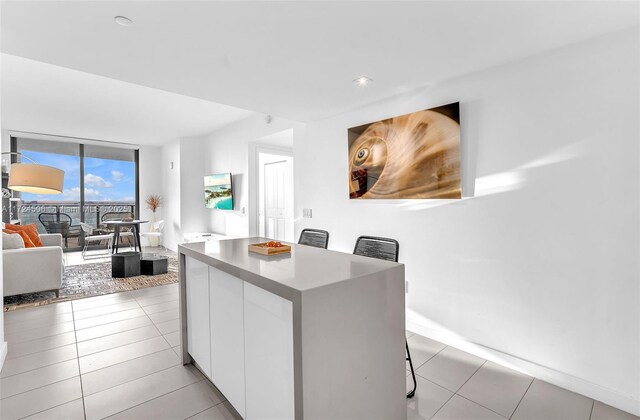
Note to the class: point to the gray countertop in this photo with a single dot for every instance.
(303, 269)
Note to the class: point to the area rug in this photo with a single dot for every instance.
(86, 280)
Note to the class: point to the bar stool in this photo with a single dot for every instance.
(384, 249)
(314, 237)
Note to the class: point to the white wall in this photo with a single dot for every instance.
(539, 269)
(150, 166)
(227, 150)
(172, 234)
(192, 210)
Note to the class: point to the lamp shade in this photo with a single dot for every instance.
(36, 179)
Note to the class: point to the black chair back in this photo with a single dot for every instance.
(50, 222)
(314, 237)
(377, 247)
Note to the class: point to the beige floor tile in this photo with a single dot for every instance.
(459, 408)
(37, 378)
(113, 328)
(423, 349)
(496, 387)
(130, 370)
(161, 307)
(41, 344)
(47, 331)
(98, 301)
(122, 354)
(40, 399)
(549, 402)
(450, 368)
(38, 360)
(222, 411)
(178, 351)
(73, 410)
(602, 411)
(428, 399)
(116, 340)
(160, 317)
(104, 310)
(173, 338)
(157, 291)
(169, 326)
(130, 394)
(109, 318)
(180, 404)
(38, 312)
(154, 300)
(14, 327)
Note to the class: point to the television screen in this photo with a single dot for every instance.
(218, 192)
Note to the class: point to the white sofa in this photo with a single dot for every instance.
(29, 270)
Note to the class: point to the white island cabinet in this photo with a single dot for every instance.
(197, 275)
(314, 334)
(227, 336)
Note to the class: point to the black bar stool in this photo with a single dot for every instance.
(384, 249)
(314, 237)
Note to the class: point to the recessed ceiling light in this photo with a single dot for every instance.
(362, 80)
(123, 21)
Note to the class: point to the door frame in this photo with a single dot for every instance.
(254, 179)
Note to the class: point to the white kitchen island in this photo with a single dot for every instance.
(314, 334)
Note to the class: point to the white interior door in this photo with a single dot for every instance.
(278, 201)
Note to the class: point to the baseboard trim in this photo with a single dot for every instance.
(3, 354)
(581, 386)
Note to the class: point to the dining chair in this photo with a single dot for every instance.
(125, 231)
(384, 249)
(314, 237)
(89, 237)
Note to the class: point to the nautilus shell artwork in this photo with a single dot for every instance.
(415, 155)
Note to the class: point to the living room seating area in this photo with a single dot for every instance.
(35, 269)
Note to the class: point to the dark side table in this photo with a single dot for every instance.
(152, 265)
(125, 264)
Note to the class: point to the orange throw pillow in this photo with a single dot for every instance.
(31, 231)
(25, 237)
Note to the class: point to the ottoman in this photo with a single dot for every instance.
(125, 264)
(152, 265)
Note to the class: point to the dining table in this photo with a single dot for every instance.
(117, 224)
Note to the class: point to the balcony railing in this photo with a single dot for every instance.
(65, 217)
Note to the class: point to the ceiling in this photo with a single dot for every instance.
(42, 98)
(291, 59)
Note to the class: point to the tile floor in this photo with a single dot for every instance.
(116, 357)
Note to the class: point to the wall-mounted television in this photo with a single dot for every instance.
(218, 191)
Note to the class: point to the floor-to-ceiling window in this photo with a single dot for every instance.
(100, 185)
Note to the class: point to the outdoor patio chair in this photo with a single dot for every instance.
(60, 223)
